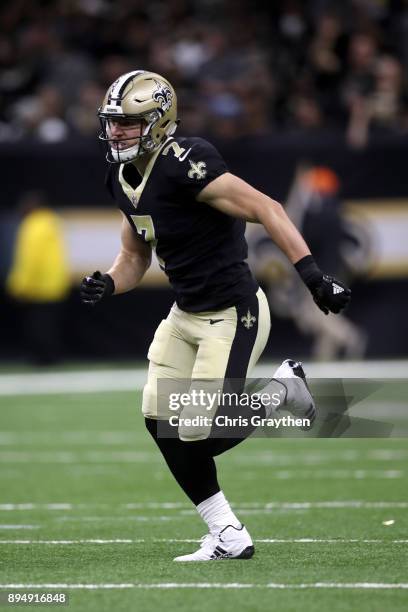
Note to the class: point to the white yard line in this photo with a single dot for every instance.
(313, 457)
(278, 505)
(132, 379)
(192, 540)
(83, 541)
(308, 505)
(300, 541)
(152, 518)
(22, 438)
(78, 437)
(99, 463)
(209, 585)
(19, 527)
(180, 516)
(84, 457)
(34, 506)
(327, 541)
(72, 382)
(336, 474)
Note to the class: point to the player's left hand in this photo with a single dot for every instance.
(331, 295)
(96, 287)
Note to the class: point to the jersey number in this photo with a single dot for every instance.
(145, 228)
(179, 152)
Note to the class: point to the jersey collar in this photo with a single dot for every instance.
(134, 195)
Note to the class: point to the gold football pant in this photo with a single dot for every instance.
(208, 347)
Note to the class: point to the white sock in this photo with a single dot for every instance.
(217, 513)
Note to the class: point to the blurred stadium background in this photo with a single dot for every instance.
(308, 101)
(281, 88)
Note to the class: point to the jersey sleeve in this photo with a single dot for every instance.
(192, 165)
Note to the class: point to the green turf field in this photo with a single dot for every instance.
(87, 502)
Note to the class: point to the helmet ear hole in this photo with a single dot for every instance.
(152, 117)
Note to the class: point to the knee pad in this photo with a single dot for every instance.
(149, 403)
(194, 424)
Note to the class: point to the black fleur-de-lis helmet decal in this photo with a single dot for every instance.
(163, 95)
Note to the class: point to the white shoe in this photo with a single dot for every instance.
(298, 399)
(229, 543)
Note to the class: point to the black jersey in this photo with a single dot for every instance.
(201, 249)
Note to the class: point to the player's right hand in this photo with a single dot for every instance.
(96, 287)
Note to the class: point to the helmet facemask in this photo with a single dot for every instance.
(141, 143)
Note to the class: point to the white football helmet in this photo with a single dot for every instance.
(138, 96)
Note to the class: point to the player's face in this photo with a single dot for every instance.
(125, 131)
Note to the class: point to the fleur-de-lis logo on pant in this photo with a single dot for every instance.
(248, 320)
(198, 170)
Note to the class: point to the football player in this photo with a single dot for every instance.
(178, 198)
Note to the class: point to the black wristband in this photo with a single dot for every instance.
(110, 285)
(309, 271)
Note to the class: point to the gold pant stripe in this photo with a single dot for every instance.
(198, 345)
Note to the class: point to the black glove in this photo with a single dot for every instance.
(96, 287)
(330, 294)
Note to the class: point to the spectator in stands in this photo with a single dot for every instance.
(42, 116)
(384, 107)
(81, 116)
(387, 104)
(358, 85)
(253, 53)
